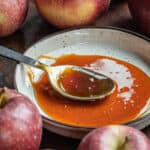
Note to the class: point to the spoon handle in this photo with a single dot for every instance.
(11, 54)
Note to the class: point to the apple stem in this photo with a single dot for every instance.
(122, 146)
(3, 99)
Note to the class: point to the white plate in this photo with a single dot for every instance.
(113, 42)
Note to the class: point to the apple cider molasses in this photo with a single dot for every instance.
(126, 103)
(78, 83)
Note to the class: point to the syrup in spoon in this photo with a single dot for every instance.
(74, 82)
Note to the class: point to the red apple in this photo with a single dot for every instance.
(12, 15)
(20, 122)
(140, 10)
(71, 13)
(115, 138)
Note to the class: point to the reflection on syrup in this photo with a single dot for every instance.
(119, 73)
(125, 104)
(80, 84)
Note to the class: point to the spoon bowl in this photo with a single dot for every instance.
(103, 83)
(99, 87)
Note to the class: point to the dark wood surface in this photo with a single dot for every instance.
(36, 28)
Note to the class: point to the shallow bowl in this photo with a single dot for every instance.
(118, 43)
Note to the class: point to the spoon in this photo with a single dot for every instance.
(105, 85)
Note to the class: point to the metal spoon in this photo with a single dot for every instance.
(54, 73)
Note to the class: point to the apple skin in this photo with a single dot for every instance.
(12, 15)
(115, 137)
(20, 122)
(140, 10)
(71, 13)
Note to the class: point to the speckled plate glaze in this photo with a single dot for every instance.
(118, 43)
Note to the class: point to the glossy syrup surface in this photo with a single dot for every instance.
(124, 104)
(78, 83)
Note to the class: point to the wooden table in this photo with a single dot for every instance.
(34, 29)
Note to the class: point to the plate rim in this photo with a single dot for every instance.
(92, 27)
